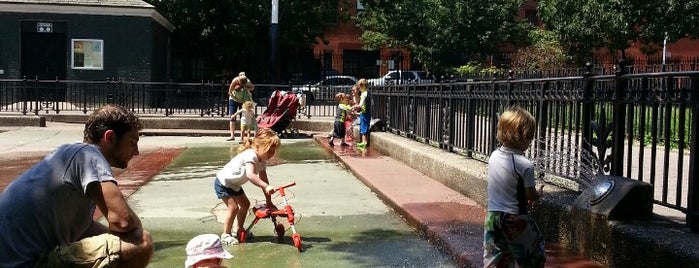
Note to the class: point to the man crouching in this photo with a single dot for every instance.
(46, 214)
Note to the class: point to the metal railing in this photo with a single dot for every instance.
(641, 126)
(33, 96)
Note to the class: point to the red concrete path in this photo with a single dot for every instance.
(448, 219)
(142, 168)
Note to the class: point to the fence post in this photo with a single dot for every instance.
(693, 178)
(587, 113)
(36, 95)
(389, 99)
(411, 114)
(203, 101)
(23, 95)
(494, 116)
(108, 94)
(510, 76)
(470, 119)
(541, 144)
(619, 114)
(446, 116)
(57, 96)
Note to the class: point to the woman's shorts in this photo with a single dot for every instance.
(233, 107)
(223, 191)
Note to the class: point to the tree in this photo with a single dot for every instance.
(234, 35)
(616, 24)
(440, 33)
(544, 52)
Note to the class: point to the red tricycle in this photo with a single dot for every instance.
(262, 211)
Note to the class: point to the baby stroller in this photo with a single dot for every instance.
(280, 112)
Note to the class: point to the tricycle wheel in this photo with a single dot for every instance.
(297, 241)
(241, 236)
(279, 229)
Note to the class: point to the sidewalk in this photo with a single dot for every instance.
(448, 219)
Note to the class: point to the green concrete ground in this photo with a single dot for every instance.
(341, 222)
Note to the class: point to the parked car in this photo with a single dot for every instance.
(325, 89)
(328, 72)
(402, 77)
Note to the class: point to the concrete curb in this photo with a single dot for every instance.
(22, 121)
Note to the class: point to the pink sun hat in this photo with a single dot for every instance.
(205, 246)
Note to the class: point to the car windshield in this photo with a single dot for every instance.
(337, 81)
(422, 75)
(408, 76)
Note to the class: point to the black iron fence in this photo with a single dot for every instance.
(637, 125)
(640, 125)
(33, 96)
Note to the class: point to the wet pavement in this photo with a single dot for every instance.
(341, 222)
(446, 218)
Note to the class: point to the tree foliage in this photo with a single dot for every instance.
(234, 34)
(616, 24)
(440, 33)
(544, 52)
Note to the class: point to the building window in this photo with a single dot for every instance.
(360, 7)
(87, 54)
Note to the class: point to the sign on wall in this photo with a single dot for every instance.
(44, 27)
(87, 54)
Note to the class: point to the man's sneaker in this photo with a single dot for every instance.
(331, 144)
(361, 145)
(228, 239)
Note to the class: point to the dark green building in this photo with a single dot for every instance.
(83, 40)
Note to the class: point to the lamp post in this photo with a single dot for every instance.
(398, 59)
(664, 50)
(273, 32)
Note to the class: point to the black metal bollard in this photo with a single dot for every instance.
(617, 198)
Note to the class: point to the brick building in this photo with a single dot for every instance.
(83, 40)
(342, 51)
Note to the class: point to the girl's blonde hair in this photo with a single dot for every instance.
(341, 96)
(247, 105)
(264, 140)
(516, 128)
(362, 83)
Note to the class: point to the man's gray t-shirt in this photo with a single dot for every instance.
(504, 168)
(48, 205)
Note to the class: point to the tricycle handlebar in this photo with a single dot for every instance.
(287, 185)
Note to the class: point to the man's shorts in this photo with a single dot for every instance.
(100, 251)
